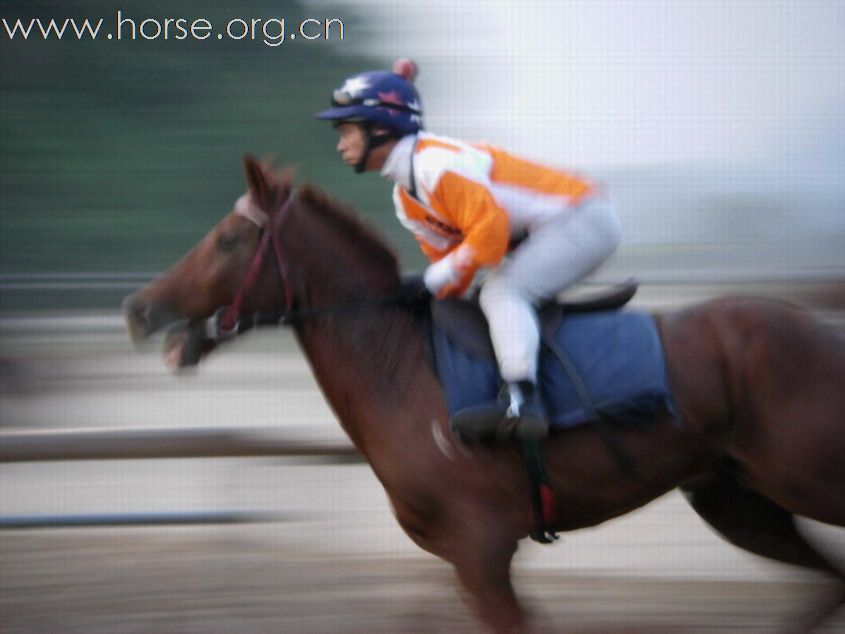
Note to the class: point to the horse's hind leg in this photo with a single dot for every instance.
(753, 522)
(756, 524)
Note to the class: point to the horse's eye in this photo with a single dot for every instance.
(227, 243)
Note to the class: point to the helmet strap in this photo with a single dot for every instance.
(371, 141)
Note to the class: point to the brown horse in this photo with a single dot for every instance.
(759, 386)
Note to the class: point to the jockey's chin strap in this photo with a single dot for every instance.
(371, 142)
(224, 324)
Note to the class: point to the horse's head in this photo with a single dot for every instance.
(211, 274)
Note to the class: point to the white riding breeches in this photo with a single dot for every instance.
(553, 257)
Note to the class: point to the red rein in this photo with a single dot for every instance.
(248, 209)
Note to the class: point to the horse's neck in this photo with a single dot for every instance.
(367, 365)
(364, 354)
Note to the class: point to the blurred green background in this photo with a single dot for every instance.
(118, 156)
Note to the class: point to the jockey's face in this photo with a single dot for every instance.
(352, 142)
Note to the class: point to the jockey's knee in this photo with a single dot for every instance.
(499, 290)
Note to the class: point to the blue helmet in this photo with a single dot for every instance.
(379, 99)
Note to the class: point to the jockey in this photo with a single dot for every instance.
(467, 204)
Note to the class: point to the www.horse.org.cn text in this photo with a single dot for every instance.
(268, 31)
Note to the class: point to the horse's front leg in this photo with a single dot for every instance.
(480, 546)
(482, 561)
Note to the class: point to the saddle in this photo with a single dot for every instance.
(463, 320)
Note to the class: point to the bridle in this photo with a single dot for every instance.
(229, 321)
(225, 323)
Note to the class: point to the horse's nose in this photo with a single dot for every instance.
(136, 317)
(143, 316)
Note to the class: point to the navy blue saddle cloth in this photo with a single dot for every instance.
(616, 355)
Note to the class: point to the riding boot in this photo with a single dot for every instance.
(527, 412)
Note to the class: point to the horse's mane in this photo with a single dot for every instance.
(383, 343)
(348, 223)
(271, 186)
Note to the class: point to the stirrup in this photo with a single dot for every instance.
(526, 412)
(517, 414)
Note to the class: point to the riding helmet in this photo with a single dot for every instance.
(379, 99)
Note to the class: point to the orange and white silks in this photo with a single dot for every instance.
(471, 200)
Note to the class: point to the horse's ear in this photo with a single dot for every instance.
(256, 178)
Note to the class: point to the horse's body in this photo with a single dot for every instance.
(759, 387)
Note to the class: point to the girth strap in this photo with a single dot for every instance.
(623, 459)
(542, 497)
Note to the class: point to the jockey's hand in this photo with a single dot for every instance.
(443, 279)
(440, 275)
(454, 290)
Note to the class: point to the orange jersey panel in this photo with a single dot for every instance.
(483, 223)
(512, 170)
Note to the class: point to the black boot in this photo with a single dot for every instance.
(527, 411)
(517, 413)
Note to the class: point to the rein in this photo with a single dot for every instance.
(226, 325)
(291, 317)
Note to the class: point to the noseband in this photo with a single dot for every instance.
(224, 323)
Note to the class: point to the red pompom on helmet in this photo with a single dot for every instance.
(406, 68)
